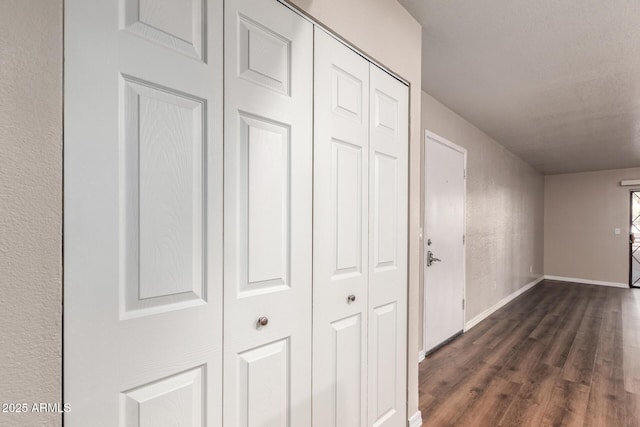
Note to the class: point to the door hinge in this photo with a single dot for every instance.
(463, 304)
(464, 173)
(463, 239)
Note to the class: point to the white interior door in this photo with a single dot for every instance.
(340, 227)
(268, 215)
(444, 219)
(143, 213)
(388, 200)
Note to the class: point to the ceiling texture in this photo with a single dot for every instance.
(557, 82)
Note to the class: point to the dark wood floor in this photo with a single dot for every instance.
(559, 355)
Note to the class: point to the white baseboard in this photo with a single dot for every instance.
(415, 420)
(504, 301)
(421, 355)
(587, 281)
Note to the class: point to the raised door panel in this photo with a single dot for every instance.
(143, 213)
(348, 94)
(388, 154)
(385, 212)
(163, 200)
(347, 183)
(268, 213)
(264, 55)
(264, 205)
(173, 401)
(176, 24)
(263, 390)
(346, 372)
(340, 229)
(385, 113)
(383, 360)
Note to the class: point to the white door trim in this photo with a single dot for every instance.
(437, 138)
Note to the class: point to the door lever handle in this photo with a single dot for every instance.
(431, 259)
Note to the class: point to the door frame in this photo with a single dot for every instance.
(631, 192)
(437, 138)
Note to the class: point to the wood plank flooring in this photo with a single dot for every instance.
(559, 355)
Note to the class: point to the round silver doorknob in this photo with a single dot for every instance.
(263, 321)
(351, 298)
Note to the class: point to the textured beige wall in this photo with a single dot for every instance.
(30, 207)
(581, 212)
(385, 31)
(504, 211)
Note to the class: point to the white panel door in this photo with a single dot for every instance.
(340, 248)
(143, 213)
(444, 215)
(268, 213)
(388, 199)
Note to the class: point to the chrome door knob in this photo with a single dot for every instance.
(351, 298)
(263, 321)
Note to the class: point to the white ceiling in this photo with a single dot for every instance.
(555, 81)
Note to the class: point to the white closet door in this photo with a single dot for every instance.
(268, 213)
(388, 186)
(143, 213)
(340, 269)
